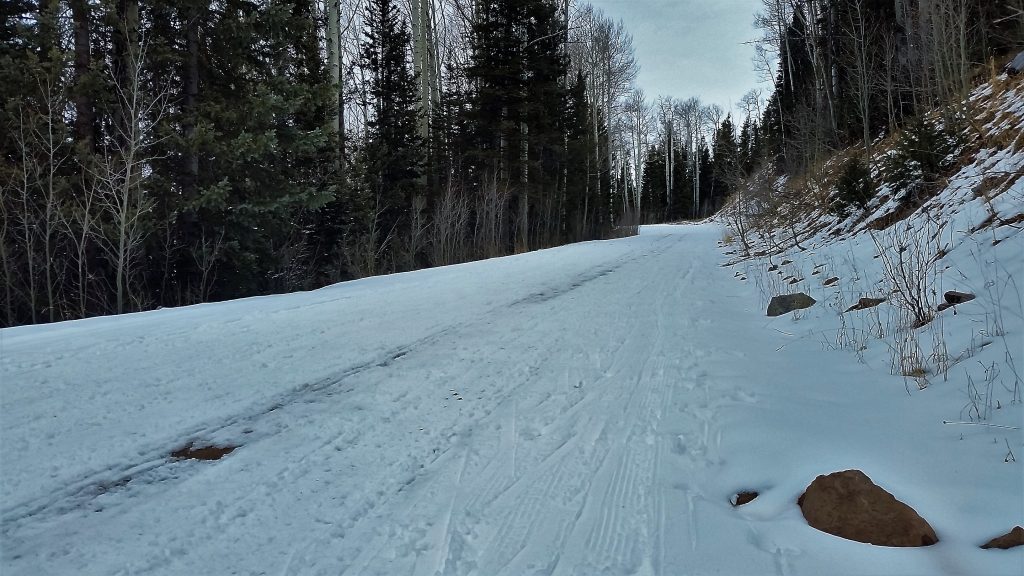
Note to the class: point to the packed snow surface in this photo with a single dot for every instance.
(583, 410)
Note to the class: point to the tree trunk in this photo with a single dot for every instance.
(126, 50)
(84, 112)
(523, 201)
(191, 99)
(334, 122)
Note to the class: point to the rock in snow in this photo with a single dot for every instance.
(865, 303)
(952, 298)
(849, 505)
(788, 303)
(1011, 539)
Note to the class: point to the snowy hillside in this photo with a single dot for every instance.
(590, 409)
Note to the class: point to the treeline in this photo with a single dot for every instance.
(184, 151)
(845, 72)
(849, 71)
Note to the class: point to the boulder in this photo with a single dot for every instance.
(865, 303)
(849, 505)
(953, 297)
(831, 281)
(1011, 539)
(788, 302)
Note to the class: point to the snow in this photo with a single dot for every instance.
(582, 410)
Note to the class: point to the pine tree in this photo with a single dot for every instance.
(682, 188)
(706, 185)
(580, 209)
(518, 67)
(391, 158)
(725, 166)
(653, 197)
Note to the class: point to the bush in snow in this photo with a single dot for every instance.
(922, 154)
(855, 187)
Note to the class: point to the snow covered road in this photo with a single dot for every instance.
(570, 411)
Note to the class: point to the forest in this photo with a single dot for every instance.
(184, 151)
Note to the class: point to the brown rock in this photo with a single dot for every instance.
(1011, 539)
(849, 505)
(831, 281)
(865, 303)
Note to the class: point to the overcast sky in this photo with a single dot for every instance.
(691, 47)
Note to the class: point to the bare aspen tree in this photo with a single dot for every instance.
(821, 60)
(448, 228)
(688, 111)
(50, 146)
(27, 176)
(638, 114)
(891, 85)
(750, 103)
(666, 118)
(5, 256)
(79, 223)
(424, 54)
(603, 51)
(861, 33)
(121, 172)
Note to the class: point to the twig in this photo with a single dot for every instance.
(981, 424)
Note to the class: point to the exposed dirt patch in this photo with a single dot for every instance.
(1012, 221)
(191, 452)
(744, 497)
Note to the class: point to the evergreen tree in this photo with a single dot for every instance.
(706, 184)
(682, 188)
(391, 158)
(794, 85)
(580, 211)
(653, 196)
(747, 151)
(518, 68)
(725, 165)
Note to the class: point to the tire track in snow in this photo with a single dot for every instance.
(154, 464)
(120, 475)
(576, 449)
